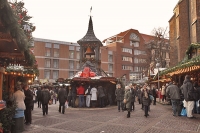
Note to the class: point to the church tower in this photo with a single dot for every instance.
(90, 50)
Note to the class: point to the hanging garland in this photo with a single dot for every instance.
(186, 63)
(16, 21)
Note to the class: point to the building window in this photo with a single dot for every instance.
(47, 74)
(135, 76)
(77, 65)
(71, 64)
(47, 63)
(77, 48)
(124, 67)
(57, 46)
(127, 50)
(138, 52)
(55, 74)
(124, 58)
(71, 54)
(110, 58)
(77, 55)
(48, 45)
(71, 73)
(110, 67)
(71, 48)
(55, 63)
(136, 69)
(134, 44)
(56, 53)
(47, 52)
(141, 60)
(135, 60)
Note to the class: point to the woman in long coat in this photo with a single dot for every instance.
(127, 100)
(119, 93)
(145, 100)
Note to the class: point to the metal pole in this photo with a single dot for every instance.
(158, 83)
(158, 80)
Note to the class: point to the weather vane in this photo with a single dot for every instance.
(91, 11)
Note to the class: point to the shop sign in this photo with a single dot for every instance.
(2, 104)
(108, 79)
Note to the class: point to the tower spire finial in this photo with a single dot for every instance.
(91, 11)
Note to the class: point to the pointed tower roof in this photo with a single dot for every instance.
(90, 36)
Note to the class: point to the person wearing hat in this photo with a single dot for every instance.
(186, 88)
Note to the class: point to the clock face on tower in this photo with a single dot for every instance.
(133, 36)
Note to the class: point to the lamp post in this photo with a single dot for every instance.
(158, 65)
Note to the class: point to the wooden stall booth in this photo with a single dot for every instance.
(188, 66)
(14, 47)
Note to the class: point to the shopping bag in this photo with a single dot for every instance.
(151, 97)
(66, 104)
(184, 112)
(50, 102)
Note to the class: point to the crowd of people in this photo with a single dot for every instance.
(186, 96)
(126, 97)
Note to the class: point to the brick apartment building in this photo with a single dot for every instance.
(184, 28)
(123, 56)
(56, 59)
(130, 54)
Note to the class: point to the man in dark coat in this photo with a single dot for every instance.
(39, 97)
(74, 94)
(45, 97)
(133, 93)
(101, 96)
(154, 93)
(186, 88)
(29, 103)
(119, 93)
(62, 97)
(174, 93)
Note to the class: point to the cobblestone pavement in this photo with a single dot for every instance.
(109, 120)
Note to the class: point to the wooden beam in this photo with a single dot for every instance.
(2, 70)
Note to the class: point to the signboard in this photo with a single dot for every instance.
(108, 79)
(81, 79)
(2, 104)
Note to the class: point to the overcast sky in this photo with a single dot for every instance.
(67, 20)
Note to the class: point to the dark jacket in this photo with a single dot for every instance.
(186, 88)
(145, 101)
(133, 93)
(39, 94)
(139, 93)
(154, 92)
(74, 91)
(62, 95)
(45, 96)
(100, 92)
(28, 97)
(173, 92)
(70, 92)
(119, 93)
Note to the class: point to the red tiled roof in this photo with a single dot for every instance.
(147, 38)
